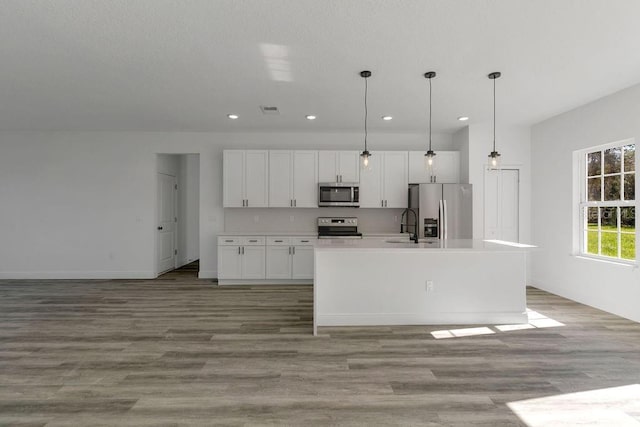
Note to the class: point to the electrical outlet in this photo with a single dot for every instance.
(395, 218)
(430, 286)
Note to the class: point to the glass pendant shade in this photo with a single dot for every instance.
(365, 164)
(494, 160)
(430, 156)
(429, 160)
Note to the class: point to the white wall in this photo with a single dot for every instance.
(82, 204)
(189, 209)
(611, 287)
(461, 144)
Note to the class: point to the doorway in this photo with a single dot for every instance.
(177, 225)
(501, 204)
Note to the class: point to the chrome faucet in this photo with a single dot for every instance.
(414, 237)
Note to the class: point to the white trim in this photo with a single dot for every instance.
(76, 275)
(207, 274)
(448, 318)
(607, 260)
(225, 282)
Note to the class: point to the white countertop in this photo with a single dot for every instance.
(450, 245)
(309, 234)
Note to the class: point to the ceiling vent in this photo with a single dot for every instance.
(269, 110)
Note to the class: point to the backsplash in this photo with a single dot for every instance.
(304, 220)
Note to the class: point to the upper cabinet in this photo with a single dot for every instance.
(446, 168)
(245, 178)
(338, 166)
(293, 179)
(385, 184)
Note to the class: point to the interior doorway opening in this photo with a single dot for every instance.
(177, 231)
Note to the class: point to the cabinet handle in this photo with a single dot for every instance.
(243, 250)
(294, 250)
(247, 202)
(295, 203)
(304, 241)
(289, 250)
(382, 203)
(238, 250)
(229, 241)
(253, 241)
(385, 203)
(278, 241)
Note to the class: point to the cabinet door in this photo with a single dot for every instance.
(395, 179)
(253, 262)
(256, 167)
(302, 267)
(233, 178)
(278, 262)
(447, 167)
(418, 173)
(349, 166)
(280, 179)
(229, 262)
(305, 179)
(327, 166)
(371, 182)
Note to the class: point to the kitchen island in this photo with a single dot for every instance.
(395, 282)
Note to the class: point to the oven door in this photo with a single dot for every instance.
(337, 195)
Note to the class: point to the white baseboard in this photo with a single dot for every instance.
(224, 282)
(378, 319)
(75, 275)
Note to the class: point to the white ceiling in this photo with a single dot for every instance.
(167, 65)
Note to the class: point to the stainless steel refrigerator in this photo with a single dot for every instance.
(443, 211)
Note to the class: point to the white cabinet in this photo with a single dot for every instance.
(241, 257)
(385, 184)
(293, 179)
(290, 257)
(446, 168)
(245, 178)
(338, 166)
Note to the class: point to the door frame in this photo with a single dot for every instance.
(517, 168)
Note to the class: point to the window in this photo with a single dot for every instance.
(608, 202)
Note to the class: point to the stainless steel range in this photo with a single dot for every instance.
(338, 228)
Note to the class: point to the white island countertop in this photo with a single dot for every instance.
(450, 245)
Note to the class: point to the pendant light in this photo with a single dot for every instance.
(494, 156)
(431, 155)
(364, 156)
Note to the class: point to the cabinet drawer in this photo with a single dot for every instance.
(303, 241)
(229, 241)
(278, 241)
(253, 241)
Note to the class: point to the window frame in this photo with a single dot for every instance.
(583, 204)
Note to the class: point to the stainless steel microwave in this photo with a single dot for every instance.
(346, 194)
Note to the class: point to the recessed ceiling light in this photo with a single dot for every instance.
(233, 116)
(310, 117)
(463, 118)
(387, 118)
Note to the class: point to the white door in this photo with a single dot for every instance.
(302, 267)
(279, 262)
(253, 262)
(501, 212)
(395, 179)
(280, 179)
(229, 262)
(233, 178)
(256, 177)
(327, 166)
(305, 179)
(166, 227)
(349, 166)
(371, 182)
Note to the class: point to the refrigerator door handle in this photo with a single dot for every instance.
(440, 219)
(446, 220)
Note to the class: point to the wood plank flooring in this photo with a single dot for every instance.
(181, 351)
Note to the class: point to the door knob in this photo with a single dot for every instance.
(159, 228)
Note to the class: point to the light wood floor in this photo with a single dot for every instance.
(182, 351)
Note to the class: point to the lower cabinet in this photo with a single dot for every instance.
(241, 258)
(266, 259)
(290, 257)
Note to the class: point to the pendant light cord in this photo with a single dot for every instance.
(494, 114)
(429, 114)
(366, 112)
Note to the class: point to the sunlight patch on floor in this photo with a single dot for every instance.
(615, 406)
(536, 320)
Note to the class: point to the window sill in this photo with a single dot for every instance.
(621, 263)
